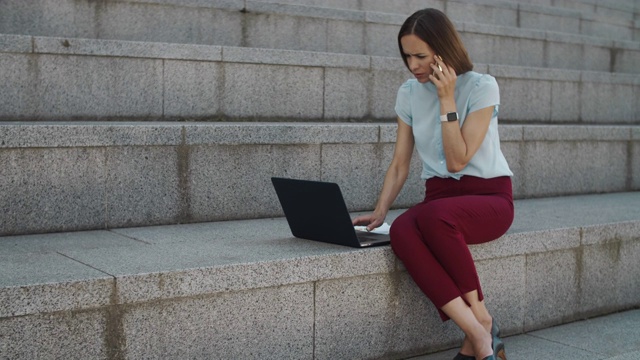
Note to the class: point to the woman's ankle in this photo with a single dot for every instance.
(480, 339)
(467, 347)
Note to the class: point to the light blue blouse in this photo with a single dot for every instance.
(418, 105)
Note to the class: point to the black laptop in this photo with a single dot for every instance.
(316, 210)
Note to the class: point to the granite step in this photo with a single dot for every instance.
(612, 21)
(247, 289)
(73, 176)
(592, 18)
(487, 27)
(46, 78)
(610, 337)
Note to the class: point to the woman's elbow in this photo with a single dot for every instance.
(401, 173)
(455, 167)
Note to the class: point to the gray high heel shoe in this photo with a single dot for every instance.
(464, 357)
(497, 344)
(495, 332)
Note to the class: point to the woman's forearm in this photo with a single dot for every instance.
(394, 180)
(460, 143)
(455, 148)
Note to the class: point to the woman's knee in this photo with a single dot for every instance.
(402, 223)
(397, 228)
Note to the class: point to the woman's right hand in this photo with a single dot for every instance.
(393, 180)
(371, 221)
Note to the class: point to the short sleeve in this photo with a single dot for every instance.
(486, 93)
(403, 103)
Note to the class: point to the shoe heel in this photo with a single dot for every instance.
(498, 348)
(500, 353)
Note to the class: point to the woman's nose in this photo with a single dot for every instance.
(413, 64)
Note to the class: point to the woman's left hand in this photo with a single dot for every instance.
(444, 78)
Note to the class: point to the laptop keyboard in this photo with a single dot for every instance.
(370, 238)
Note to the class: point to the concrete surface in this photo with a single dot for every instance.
(612, 337)
(170, 290)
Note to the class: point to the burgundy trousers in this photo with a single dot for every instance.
(431, 238)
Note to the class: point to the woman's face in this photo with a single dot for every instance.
(419, 57)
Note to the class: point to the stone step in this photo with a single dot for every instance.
(578, 340)
(85, 175)
(44, 78)
(248, 290)
(620, 9)
(266, 24)
(194, 21)
(606, 20)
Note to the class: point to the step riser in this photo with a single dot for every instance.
(290, 27)
(130, 82)
(129, 19)
(313, 317)
(66, 178)
(623, 9)
(620, 11)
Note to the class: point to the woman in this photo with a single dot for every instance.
(450, 114)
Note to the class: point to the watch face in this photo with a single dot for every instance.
(452, 116)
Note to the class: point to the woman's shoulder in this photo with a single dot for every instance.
(477, 84)
(406, 89)
(478, 79)
(481, 90)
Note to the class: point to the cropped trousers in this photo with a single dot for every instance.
(431, 238)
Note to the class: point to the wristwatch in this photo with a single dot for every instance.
(452, 116)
